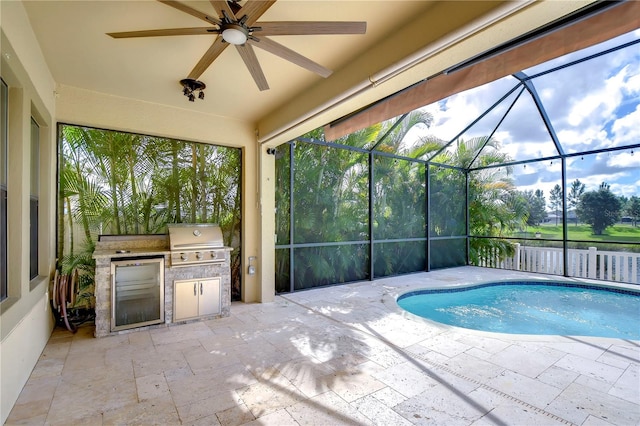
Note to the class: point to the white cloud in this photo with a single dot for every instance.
(627, 129)
(633, 84)
(625, 159)
(594, 104)
(455, 113)
(592, 182)
(599, 104)
(586, 138)
(628, 190)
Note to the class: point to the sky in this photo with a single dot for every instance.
(593, 105)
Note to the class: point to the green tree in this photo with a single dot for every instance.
(118, 183)
(536, 203)
(633, 209)
(573, 197)
(495, 207)
(555, 201)
(623, 200)
(79, 189)
(599, 209)
(331, 201)
(330, 194)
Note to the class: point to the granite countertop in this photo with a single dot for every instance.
(111, 246)
(119, 246)
(113, 253)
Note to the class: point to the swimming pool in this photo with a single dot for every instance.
(532, 307)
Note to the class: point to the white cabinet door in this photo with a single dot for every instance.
(185, 299)
(209, 294)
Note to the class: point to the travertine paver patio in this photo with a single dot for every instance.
(339, 355)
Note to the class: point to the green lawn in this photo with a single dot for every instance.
(617, 233)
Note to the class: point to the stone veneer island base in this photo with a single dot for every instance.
(107, 250)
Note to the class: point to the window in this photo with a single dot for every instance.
(33, 199)
(4, 102)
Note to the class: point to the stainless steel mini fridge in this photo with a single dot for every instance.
(137, 292)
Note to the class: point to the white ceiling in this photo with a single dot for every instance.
(80, 54)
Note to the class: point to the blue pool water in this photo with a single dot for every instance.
(532, 308)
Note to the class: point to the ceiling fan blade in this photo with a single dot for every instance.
(210, 55)
(166, 32)
(311, 28)
(254, 9)
(291, 56)
(251, 61)
(220, 6)
(191, 11)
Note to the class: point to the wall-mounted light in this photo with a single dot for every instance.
(189, 86)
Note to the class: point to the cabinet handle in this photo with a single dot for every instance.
(200, 288)
(195, 293)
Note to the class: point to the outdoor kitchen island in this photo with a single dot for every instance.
(150, 281)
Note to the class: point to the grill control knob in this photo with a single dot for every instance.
(183, 256)
(198, 255)
(214, 254)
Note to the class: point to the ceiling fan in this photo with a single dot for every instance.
(237, 24)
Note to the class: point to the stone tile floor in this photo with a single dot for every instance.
(338, 355)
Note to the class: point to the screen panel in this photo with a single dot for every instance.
(447, 216)
(448, 253)
(331, 194)
(399, 208)
(318, 266)
(399, 258)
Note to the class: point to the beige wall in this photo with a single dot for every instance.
(25, 316)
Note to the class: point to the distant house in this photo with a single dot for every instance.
(552, 217)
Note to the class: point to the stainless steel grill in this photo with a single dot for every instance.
(195, 244)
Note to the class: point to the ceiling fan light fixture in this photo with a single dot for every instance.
(235, 34)
(189, 86)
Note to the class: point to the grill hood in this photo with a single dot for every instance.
(194, 236)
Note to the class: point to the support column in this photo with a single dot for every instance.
(266, 196)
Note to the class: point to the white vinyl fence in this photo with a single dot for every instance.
(583, 263)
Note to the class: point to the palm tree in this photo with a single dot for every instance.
(114, 182)
(83, 193)
(330, 190)
(494, 207)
